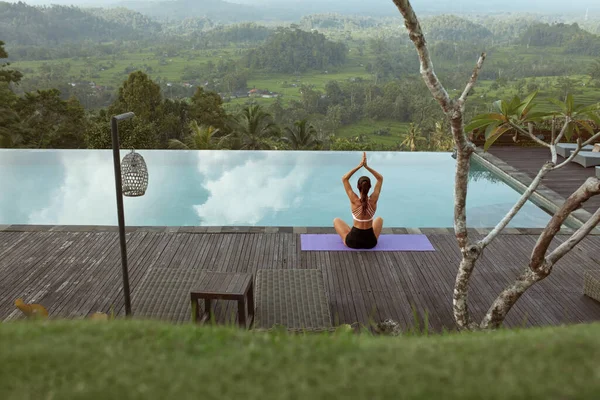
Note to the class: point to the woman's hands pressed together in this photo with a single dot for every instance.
(363, 163)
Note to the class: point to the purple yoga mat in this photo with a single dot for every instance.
(333, 242)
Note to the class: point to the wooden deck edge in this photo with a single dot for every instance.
(545, 198)
(262, 229)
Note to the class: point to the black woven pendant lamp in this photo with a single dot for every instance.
(135, 175)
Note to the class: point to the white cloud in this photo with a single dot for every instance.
(243, 190)
(82, 196)
(86, 195)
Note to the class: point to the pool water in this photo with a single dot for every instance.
(242, 188)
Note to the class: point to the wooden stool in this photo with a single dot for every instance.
(224, 286)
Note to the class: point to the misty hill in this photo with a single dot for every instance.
(226, 11)
(574, 39)
(387, 8)
(21, 24)
(216, 10)
(453, 28)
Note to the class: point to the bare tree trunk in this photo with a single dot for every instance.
(461, 289)
(454, 110)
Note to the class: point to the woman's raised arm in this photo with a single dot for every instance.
(346, 178)
(363, 162)
(379, 177)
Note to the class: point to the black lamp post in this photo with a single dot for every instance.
(135, 175)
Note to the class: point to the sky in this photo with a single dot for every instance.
(467, 5)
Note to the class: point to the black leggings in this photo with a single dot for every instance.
(361, 238)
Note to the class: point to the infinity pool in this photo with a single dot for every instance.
(241, 188)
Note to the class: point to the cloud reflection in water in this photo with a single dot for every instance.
(243, 188)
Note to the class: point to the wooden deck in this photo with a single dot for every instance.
(74, 274)
(563, 181)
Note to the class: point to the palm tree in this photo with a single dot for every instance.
(10, 140)
(565, 85)
(412, 138)
(10, 136)
(302, 136)
(202, 138)
(252, 129)
(440, 139)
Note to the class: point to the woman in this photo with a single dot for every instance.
(366, 230)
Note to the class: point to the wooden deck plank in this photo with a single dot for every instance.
(12, 240)
(168, 265)
(38, 285)
(25, 255)
(408, 267)
(494, 263)
(331, 283)
(336, 295)
(180, 307)
(392, 290)
(28, 268)
(192, 277)
(139, 247)
(502, 264)
(142, 289)
(397, 288)
(75, 273)
(347, 310)
(72, 284)
(168, 294)
(557, 281)
(350, 288)
(367, 266)
(564, 181)
(103, 268)
(440, 288)
(554, 312)
(113, 298)
(110, 271)
(487, 281)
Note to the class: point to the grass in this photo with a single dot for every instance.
(367, 126)
(114, 76)
(151, 360)
(282, 83)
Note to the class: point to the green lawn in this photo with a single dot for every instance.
(149, 360)
(367, 126)
(171, 70)
(283, 83)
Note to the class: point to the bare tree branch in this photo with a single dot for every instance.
(574, 240)
(494, 318)
(517, 207)
(553, 154)
(471, 83)
(591, 187)
(540, 266)
(592, 139)
(571, 156)
(528, 133)
(563, 130)
(535, 138)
